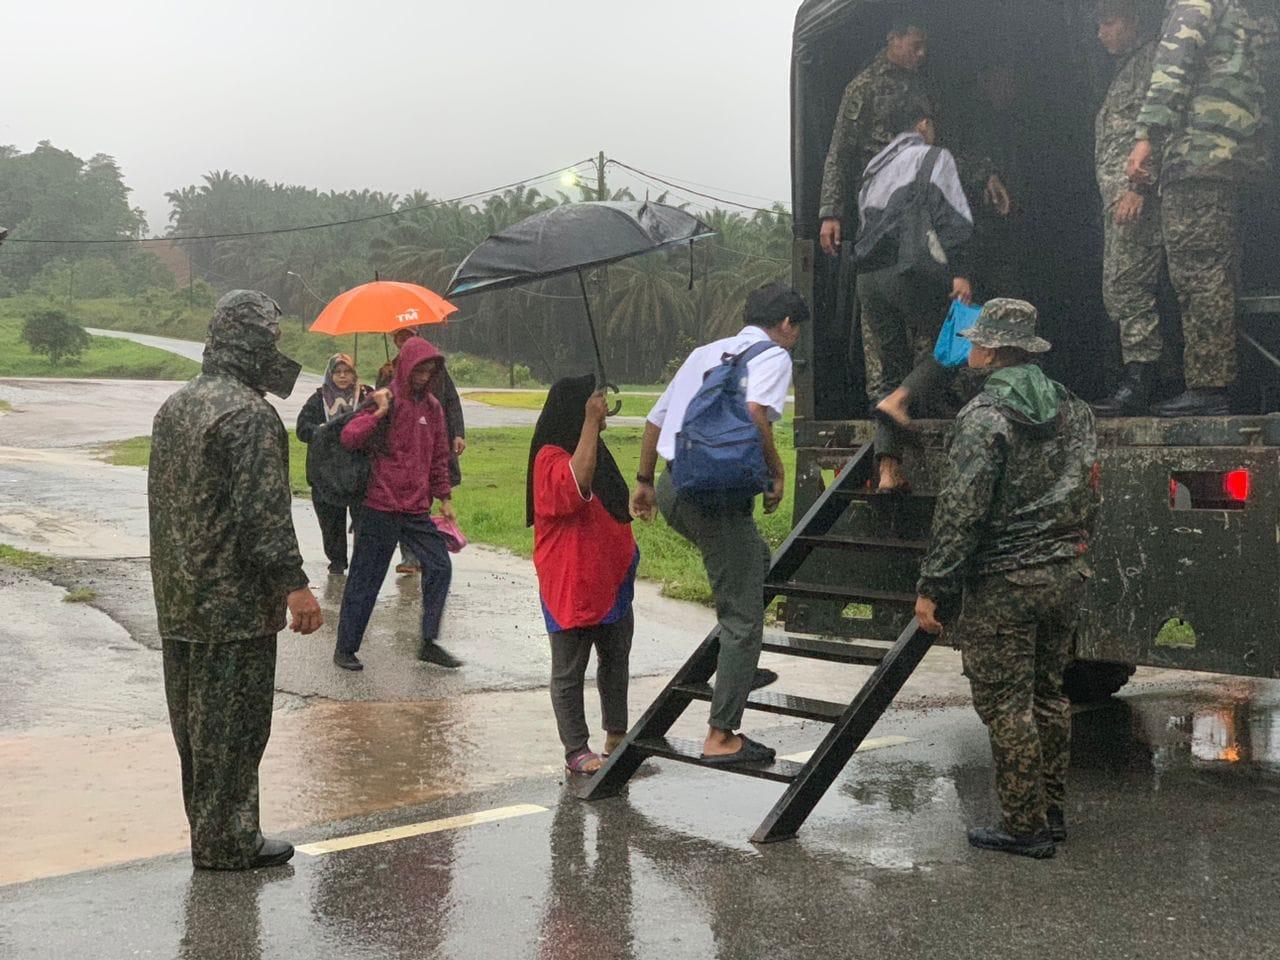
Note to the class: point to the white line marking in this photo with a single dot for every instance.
(418, 829)
(875, 743)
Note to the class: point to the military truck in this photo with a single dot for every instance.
(1187, 550)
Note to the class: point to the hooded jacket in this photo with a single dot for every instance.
(1021, 487)
(224, 554)
(413, 470)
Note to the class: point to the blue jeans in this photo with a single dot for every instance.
(377, 534)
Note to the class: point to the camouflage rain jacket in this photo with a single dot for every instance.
(1021, 488)
(1204, 106)
(1118, 119)
(223, 550)
(865, 126)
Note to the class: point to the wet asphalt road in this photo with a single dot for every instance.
(1172, 853)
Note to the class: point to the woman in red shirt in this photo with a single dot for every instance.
(586, 559)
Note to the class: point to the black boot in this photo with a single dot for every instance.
(1057, 824)
(347, 661)
(1037, 845)
(272, 853)
(1206, 402)
(1133, 397)
(432, 652)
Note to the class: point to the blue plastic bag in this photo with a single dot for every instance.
(952, 349)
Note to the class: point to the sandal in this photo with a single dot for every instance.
(576, 765)
(749, 752)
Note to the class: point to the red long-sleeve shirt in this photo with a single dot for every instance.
(415, 469)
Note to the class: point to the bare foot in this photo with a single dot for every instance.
(891, 475)
(894, 406)
(721, 742)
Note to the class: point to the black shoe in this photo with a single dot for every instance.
(1133, 397)
(763, 678)
(1212, 402)
(749, 752)
(1037, 845)
(347, 661)
(1057, 824)
(432, 652)
(272, 853)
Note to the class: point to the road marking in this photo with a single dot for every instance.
(418, 829)
(875, 743)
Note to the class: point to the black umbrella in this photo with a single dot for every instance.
(571, 238)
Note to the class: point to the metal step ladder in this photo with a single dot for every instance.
(850, 722)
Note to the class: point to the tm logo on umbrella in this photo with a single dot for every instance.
(409, 316)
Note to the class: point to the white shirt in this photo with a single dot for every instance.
(768, 383)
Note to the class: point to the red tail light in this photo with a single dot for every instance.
(1237, 484)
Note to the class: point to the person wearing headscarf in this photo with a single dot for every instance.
(586, 558)
(225, 566)
(443, 389)
(340, 394)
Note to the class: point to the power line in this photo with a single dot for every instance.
(697, 193)
(736, 193)
(314, 226)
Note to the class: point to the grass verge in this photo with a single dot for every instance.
(105, 359)
(24, 559)
(491, 504)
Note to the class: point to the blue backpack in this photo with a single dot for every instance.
(719, 449)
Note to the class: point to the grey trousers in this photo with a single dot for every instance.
(570, 651)
(736, 559)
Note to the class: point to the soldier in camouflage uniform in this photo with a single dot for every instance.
(1011, 528)
(1202, 118)
(1133, 257)
(224, 565)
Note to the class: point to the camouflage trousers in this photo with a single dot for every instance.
(220, 697)
(1014, 633)
(1202, 242)
(1133, 259)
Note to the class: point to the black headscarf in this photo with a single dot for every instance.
(560, 425)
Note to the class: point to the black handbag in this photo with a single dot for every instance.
(921, 257)
(338, 475)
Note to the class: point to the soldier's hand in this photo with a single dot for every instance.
(1129, 208)
(1137, 167)
(644, 502)
(305, 615)
(829, 237)
(998, 195)
(927, 614)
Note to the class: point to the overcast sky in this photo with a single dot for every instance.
(448, 96)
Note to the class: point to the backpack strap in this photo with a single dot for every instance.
(925, 173)
(749, 354)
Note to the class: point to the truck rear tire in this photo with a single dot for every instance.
(1088, 681)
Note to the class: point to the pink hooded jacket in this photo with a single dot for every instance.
(415, 469)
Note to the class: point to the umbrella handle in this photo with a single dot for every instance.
(608, 387)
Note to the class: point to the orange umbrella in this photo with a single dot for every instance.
(383, 306)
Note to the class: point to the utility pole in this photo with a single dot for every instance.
(602, 192)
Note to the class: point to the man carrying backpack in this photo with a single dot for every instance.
(737, 388)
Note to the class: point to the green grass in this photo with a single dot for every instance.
(6, 406)
(80, 595)
(105, 358)
(169, 316)
(490, 501)
(534, 400)
(24, 559)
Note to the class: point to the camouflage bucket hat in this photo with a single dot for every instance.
(1007, 323)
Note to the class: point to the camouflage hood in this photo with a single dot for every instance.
(1027, 396)
(242, 343)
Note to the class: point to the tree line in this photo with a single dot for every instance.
(649, 310)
